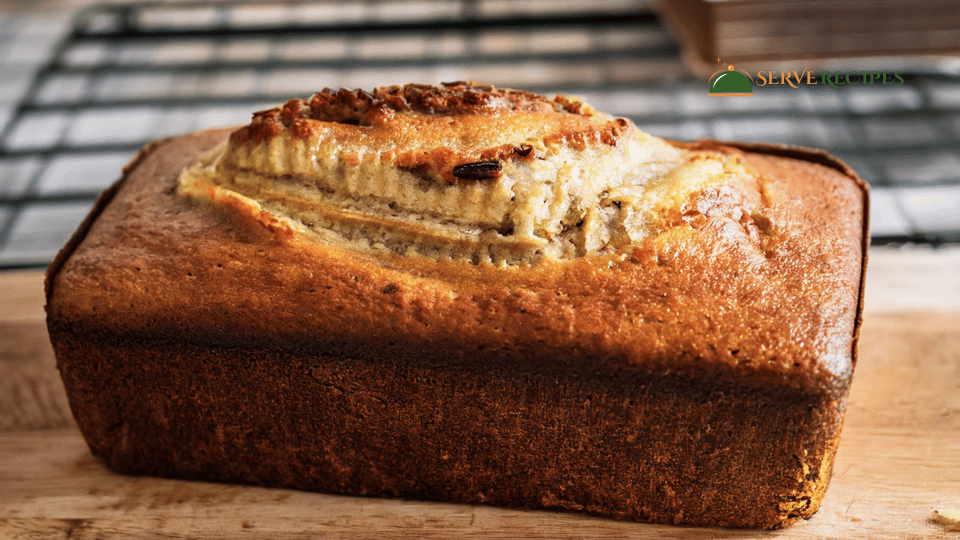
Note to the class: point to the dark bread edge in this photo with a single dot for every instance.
(646, 481)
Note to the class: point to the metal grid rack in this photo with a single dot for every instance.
(127, 74)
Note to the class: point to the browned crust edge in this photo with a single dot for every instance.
(99, 205)
(820, 157)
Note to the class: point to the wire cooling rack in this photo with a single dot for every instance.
(127, 74)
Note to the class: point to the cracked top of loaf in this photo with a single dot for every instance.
(469, 172)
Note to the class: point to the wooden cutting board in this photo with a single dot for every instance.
(899, 458)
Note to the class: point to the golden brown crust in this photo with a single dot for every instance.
(823, 158)
(699, 329)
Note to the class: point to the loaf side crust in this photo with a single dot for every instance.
(699, 380)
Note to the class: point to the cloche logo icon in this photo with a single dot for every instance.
(731, 83)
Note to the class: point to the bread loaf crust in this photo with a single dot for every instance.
(698, 381)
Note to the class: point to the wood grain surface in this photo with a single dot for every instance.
(899, 458)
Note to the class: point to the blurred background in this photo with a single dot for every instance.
(83, 86)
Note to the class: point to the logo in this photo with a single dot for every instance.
(731, 83)
(737, 82)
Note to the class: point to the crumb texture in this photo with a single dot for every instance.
(463, 172)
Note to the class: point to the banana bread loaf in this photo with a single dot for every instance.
(462, 293)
